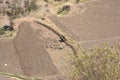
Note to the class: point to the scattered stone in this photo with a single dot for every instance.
(5, 64)
(55, 46)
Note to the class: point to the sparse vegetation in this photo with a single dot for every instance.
(19, 77)
(98, 64)
(32, 6)
(82, 0)
(13, 76)
(2, 29)
(46, 1)
(6, 31)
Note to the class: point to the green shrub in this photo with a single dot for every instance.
(98, 64)
(2, 29)
(60, 10)
(77, 1)
(46, 1)
(32, 6)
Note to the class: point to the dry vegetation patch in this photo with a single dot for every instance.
(98, 64)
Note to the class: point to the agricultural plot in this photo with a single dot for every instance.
(99, 20)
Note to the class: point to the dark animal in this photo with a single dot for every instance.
(8, 28)
(62, 38)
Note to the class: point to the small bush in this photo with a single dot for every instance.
(64, 10)
(32, 6)
(98, 64)
(2, 29)
(60, 10)
(46, 1)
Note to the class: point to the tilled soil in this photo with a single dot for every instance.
(9, 60)
(33, 57)
(99, 20)
(25, 55)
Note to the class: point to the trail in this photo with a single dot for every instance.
(58, 34)
(13, 76)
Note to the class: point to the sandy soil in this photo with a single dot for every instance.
(60, 57)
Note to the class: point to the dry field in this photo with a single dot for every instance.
(99, 20)
(27, 54)
(35, 50)
(33, 57)
(9, 61)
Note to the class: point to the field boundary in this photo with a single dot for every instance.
(58, 34)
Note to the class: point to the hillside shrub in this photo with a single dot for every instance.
(2, 29)
(98, 64)
(32, 6)
(63, 10)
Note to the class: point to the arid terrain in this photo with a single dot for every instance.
(97, 23)
(34, 50)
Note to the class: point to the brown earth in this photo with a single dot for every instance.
(60, 57)
(8, 56)
(33, 57)
(25, 55)
(98, 20)
(28, 55)
(56, 77)
(5, 78)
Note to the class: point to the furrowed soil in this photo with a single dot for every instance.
(99, 21)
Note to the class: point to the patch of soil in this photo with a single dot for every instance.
(95, 23)
(5, 78)
(9, 60)
(34, 59)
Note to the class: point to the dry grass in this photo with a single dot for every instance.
(19, 77)
(98, 64)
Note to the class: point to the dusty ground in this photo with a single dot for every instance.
(28, 54)
(25, 55)
(60, 57)
(5, 78)
(98, 22)
(33, 57)
(9, 61)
